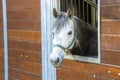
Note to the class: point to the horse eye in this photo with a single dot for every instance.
(70, 32)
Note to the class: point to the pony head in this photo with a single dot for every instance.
(63, 36)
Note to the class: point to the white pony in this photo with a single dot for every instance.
(73, 35)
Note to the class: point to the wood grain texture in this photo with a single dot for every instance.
(24, 25)
(25, 55)
(1, 13)
(22, 4)
(29, 14)
(1, 24)
(109, 2)
(1, 73)
(25, 35)
(110, 57)
(1, 57)
(25, 66)
(110, 27)
(110, 12)
(20, 75)
(111, 42)
(25, 45)
(90, 70)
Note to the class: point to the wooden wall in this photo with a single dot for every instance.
(1, 44)
(24, 39)
(109, 69)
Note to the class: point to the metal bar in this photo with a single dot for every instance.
(83, 11)
(99, 56)
(91, 3)
(79, 9)
(87, 13)
(48, 72)
(5, 40)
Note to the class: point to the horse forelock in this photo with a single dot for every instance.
(61, 22)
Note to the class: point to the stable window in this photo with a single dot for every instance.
(86, 10)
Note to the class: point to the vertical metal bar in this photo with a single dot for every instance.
(79, 9)
(5, 40)
(66, 5)
(87, 13)
(93, 14)
(48, 71)
(72, 7)
(99, 57)
(75, 8)
(83, 11)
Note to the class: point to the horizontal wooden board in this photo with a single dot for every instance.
(91, 70)
(109, 2)
(1, 72)
(71, 75)
(1, 43)
(1, 14)
(24, 35)
(22, 4)
(31, 14)
(110, 42)
(25, 55)
(1, 24)
(110, 27)
(19, 75)
(110, 57)
(24, 25)
(1, 57)
(25, 66)
(1, 34)
(24, 45)
(110, 12)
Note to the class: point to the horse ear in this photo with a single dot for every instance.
(69, 13)
(55, 13)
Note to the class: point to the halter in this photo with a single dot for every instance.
(68, 47)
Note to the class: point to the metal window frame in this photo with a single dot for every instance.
(48, 71)
(5, 39)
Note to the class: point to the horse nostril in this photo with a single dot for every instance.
(57, 60)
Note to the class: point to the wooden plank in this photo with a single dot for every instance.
(1, 43)
(1, 57)
(25, 55)
(24, 25)
(1, 13)
(23, 4)
(25, 66)
(110, 57)
(110, 42)
(109, 2)
(1, 72)
(19, 75)
(110, 27)
(1, 34)
(1, 24)
(25, 45)
(91, 69)
(25, 35)
(110, 12)
(31, 14)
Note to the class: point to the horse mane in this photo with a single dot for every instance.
(86, 43)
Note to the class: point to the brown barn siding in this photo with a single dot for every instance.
(1, 44)
(24, 39)
(109, 69)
